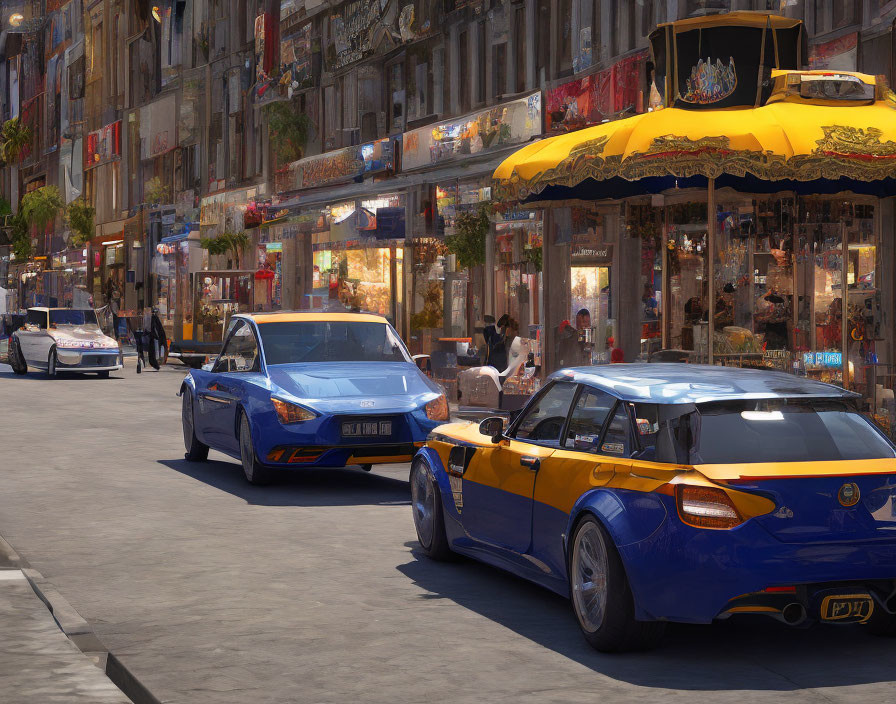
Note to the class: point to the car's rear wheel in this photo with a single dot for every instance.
(104, 374)
(51, 363)
(600, 594)
(429, 519)
(256, 473)
(16, 358)
(366, 467)
(196, 451)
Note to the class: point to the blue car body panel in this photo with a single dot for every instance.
(810, 540)
(335, 391)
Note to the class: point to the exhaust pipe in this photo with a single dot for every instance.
(793, 614)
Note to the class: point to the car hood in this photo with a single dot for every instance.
(340, 387)
(82, 334)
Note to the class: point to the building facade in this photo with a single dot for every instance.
(345, 150)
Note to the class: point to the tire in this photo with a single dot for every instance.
(196, 451)
(16, 358)
(605, 613)
(366, 467)
(429, 518)
(104, 374)
(51, 363)
(881, 623)
(256, 473)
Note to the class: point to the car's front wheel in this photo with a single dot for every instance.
(601, 597)
(256, 473)
(196, 451)
(51, 363)
(429, 519)
(16, 358)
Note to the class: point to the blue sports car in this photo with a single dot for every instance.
(293, 390)
(674, 492)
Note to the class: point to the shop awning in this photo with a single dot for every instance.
(175, 238)
(837, 143)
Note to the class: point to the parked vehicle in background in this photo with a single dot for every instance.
(294, 390)
(58, 340)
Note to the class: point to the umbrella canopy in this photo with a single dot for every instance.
(816, 126)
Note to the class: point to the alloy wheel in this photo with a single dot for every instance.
(423, 502)
(589, 576)
(187, 419)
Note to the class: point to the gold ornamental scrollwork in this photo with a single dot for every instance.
(843, 152)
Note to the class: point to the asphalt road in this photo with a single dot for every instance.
(312, 590)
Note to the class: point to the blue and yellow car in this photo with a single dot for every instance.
(650, 493)
(298, 390)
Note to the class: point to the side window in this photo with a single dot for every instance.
(240, 353)
(589, 416)
(617, 440)
(37, 317)
(543, 421)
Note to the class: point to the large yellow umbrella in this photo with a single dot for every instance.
(841, 126)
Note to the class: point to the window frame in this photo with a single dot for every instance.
(511, 431)
(240, 322)
(582, 389)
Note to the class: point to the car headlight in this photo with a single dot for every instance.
(291, 413)
(437, 409)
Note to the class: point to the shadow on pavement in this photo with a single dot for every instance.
(750, 653)
(301, 487)
(7, 373)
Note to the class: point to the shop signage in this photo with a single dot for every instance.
(339, 165)
(503, 125)
(598, 97)
(823, 359)
(357, 30)
(587, 247)
(295, 55)
(378, 156)
(836, 55)
(103, 145)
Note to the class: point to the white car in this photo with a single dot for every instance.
(63, 340)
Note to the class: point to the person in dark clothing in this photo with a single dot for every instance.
(497, 348)
(158, 341)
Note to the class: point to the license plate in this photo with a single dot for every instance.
(367, 428)
(850, 607)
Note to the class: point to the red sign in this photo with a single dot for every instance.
(598, 97)
(103, 145)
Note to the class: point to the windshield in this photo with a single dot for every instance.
(785, 430)
(331, 341)
(73, 317)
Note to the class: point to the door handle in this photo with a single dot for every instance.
(532, 463)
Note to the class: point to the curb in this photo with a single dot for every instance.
(76, 628)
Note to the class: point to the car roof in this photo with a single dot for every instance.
(676, 383)
(312, 317)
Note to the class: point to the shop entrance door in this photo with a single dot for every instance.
(591, 294)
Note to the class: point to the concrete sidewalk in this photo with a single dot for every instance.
(38, 663)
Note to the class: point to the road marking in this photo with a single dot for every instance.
(11, 575)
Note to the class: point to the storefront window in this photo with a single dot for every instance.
(269, 277)
(646, 224)
(217, 296)
(354, 279)
(686, 279)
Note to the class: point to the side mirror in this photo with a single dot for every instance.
(493, 427)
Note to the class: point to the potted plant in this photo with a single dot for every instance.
(14, 137)
(41, 206)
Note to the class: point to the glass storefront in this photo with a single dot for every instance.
(778, 268)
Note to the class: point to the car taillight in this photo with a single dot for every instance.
(706, 507)
(437, 409)
(291, 413)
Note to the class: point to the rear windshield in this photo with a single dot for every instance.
(72, 317)
(331, 341)
(785, 431)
